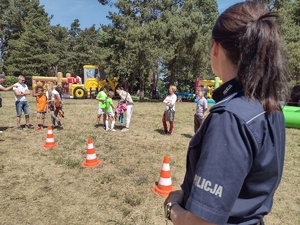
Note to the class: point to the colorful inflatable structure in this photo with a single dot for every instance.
(94, 79)
(210, 84)
(291, 109)
(291, 116)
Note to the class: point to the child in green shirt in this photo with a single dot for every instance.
(101, 97)
(110, 109)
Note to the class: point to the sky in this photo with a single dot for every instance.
(90, 12)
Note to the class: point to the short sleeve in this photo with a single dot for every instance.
(221, 167)
(16, 88)
(123, 95)
(205, 104)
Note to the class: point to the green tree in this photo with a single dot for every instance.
(184, 34)
(57, 47)
(72, 43)
(290, 28)
(25, 38)
(167, 36)
(83, 47)
(132, 57)
(3, 9)
(289, 11)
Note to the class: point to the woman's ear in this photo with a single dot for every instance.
(215, 48)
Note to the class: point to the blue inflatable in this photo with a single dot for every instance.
(209, 101)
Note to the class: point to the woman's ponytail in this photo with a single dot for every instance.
(249, 34)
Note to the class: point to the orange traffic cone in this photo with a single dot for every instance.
(50, 139)
(91, 159)
(164, 186)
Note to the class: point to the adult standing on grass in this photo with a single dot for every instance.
(2, 79)
(169, 112)
(126, 98)
(235, 160)
(21, 90)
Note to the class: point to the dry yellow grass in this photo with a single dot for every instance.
(49, 186)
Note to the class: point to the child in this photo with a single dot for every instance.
(60, 112)
(101, 97)
(169, 112)
(110, 112)
(201, 108)
(54, 106)
(41, 100)
(120, 110)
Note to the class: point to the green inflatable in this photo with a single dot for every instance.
(291, 116)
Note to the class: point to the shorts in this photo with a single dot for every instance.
(101, 111)
(22, 106)
(110, 114)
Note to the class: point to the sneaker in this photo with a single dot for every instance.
(38, 128)
(113, 130)
(29, 126)
(104, 127)
(125, 129)
(41, 127)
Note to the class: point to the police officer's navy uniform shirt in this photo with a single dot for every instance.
(235, 160)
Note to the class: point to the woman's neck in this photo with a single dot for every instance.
(226, 69)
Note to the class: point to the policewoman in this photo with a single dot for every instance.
(235, 160)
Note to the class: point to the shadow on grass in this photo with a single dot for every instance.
(187, 135)
(5, 128)
(119, 126)
(160, 131)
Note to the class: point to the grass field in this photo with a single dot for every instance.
(50, 186)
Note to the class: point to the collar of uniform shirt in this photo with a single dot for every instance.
(226, 89)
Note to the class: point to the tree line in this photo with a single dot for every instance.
(167, 37)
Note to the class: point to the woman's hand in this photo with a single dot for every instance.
(176, 196)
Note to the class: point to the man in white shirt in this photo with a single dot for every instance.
(21, 90)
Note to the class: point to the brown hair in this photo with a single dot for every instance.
(39, 88)
(248, 33)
